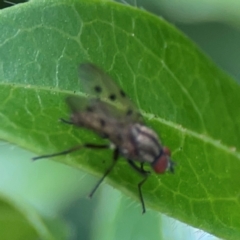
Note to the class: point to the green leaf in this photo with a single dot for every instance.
(20, 220)
(182, 95)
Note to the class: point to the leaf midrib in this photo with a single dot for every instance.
(216, 143)
(231, 150)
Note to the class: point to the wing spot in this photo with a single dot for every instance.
(89, 109)
(112, 97)
(104, 135)
(119, 137)
(98, 89)
(102, 122)
(122, 93)
(129, 112)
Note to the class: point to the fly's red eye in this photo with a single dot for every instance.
(161, 165)
(166, 151)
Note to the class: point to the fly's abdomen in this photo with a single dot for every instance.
(90, 121)
(102, 125)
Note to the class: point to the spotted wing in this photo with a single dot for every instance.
(106, 98)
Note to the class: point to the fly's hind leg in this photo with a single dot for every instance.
(145, 175)
(73, 149)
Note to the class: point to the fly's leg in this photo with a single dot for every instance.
(140, 169)
(140, 193)
(73, 149)
(115, 158)
(145, 175)
(66, 121)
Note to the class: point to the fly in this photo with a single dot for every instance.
(123, 126)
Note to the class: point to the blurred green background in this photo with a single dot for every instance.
(59, 192)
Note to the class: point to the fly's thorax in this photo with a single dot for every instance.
(146, 142)
(149, 149)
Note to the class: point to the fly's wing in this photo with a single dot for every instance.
(79, 104)
(106, 98)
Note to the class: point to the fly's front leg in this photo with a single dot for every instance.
(140, 169)
(145, 175)
(143, 170)
(140, 193)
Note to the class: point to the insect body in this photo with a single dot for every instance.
(122, 125)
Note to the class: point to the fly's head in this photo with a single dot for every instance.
(163, 162)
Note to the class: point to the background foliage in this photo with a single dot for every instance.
(198, 103)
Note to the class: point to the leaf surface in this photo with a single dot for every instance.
(182, 95)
